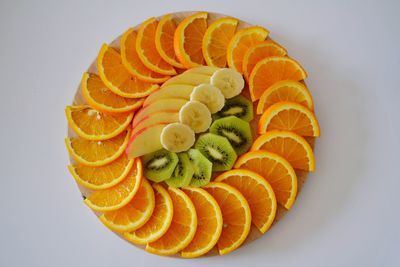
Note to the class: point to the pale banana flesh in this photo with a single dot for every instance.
(229, 81)
(196, 115)
(210, 96)
(177, 137)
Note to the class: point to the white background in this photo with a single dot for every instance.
(348, 213)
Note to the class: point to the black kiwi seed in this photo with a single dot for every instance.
(218, 150)
(183, 172)
(237, 131)
(238, 106)
(202, 168)
(159, 165)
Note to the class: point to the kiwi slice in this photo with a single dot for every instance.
(237, 131)
(218, 150)
(202, 168)
(183, 172)
(238, 106)
(159, 165)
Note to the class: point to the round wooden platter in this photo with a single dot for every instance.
(301, 175)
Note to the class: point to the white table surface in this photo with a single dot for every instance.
(348, 213)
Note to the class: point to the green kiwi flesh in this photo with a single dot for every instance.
(218, 150)
(238, 106)
(159, 165)
(183, 172)
(202, 168)
(237, 131)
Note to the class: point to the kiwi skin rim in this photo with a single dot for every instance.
(240, 102)
(222, 145)
(237, 127)
(161, 172)
(183, 172)
(203, 168)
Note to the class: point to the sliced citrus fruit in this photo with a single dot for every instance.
(258, 193)
(119, 195)
(216, 40)
(236, 216)
(289, 145)
(93, 125)
(241, 42)
(159, 221)
(134, 214)
(98, 96)
(117, 78)
(209, 223)
(289, 116)
(258, 52)
(165, 40)
(276, 170)
(182, 229)
(132, 62)
(285, 90)
(104, 176)
(188, 40)
(271, 70)
(147, 51)
(97, 153)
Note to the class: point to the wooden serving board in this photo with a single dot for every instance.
(301, 175)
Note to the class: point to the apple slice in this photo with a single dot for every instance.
(188, 79)
(160, 105)
(162, 117)
(171, 91)
(205, 70)
(145, 141)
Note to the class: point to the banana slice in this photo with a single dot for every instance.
(229, 81)
(177, 137)
(210, 96)
(196, 115)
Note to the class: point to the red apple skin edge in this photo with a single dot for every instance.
(163, 104)
(155, 119)
(153, 131)
(136, 123)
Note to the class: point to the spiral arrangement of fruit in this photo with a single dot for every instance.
(169, 146)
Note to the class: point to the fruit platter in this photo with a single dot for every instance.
(191, 134)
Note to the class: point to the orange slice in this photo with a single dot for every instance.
(132, 62)
(165, 40)
(259, 52)
(93, 125)
(133, 215)
(209, 226)
(102, 177)
(147, 51)
(276, 170)
(236, 216)
(258, 193)
(182, 229)
(188, 39)
(241, 42)
(117, 78)
(119, 195)
(216, 40)
(99, 97)
(159, 221)
(271, 70)
(285, 90)
(289, 116)
(97, 153)
(289, 145)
